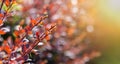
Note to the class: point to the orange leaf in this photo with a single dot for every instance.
(33, 22)
(22, 31)
(29, 32)
(7, 3)
(17, 40)
(14, 1)
(1, 48)
(7, 49)
(1, 15)
(22, 22)
(1, 62)
(2, 32)
(5, 42)
(47, 32)
(40, 23)
(47, 37)
(1, 22)
(16, 33)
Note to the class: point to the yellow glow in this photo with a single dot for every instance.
(114, 4)
(109, 9)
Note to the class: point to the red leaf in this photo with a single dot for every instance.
(27, 28)
(37, 34)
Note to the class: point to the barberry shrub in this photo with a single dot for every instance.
(18, 39)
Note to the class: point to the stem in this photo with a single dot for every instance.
(41, 38)
(2, 5)
(42, 18)
(34, 44)
(7, 10)
(32, 28)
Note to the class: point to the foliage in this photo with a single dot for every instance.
(34, 37)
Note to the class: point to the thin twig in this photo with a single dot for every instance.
(34, 44)
(42, 18)
(2, 5)
(7, 10)
(41, 38)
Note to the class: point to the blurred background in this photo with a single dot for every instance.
(107, 30)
